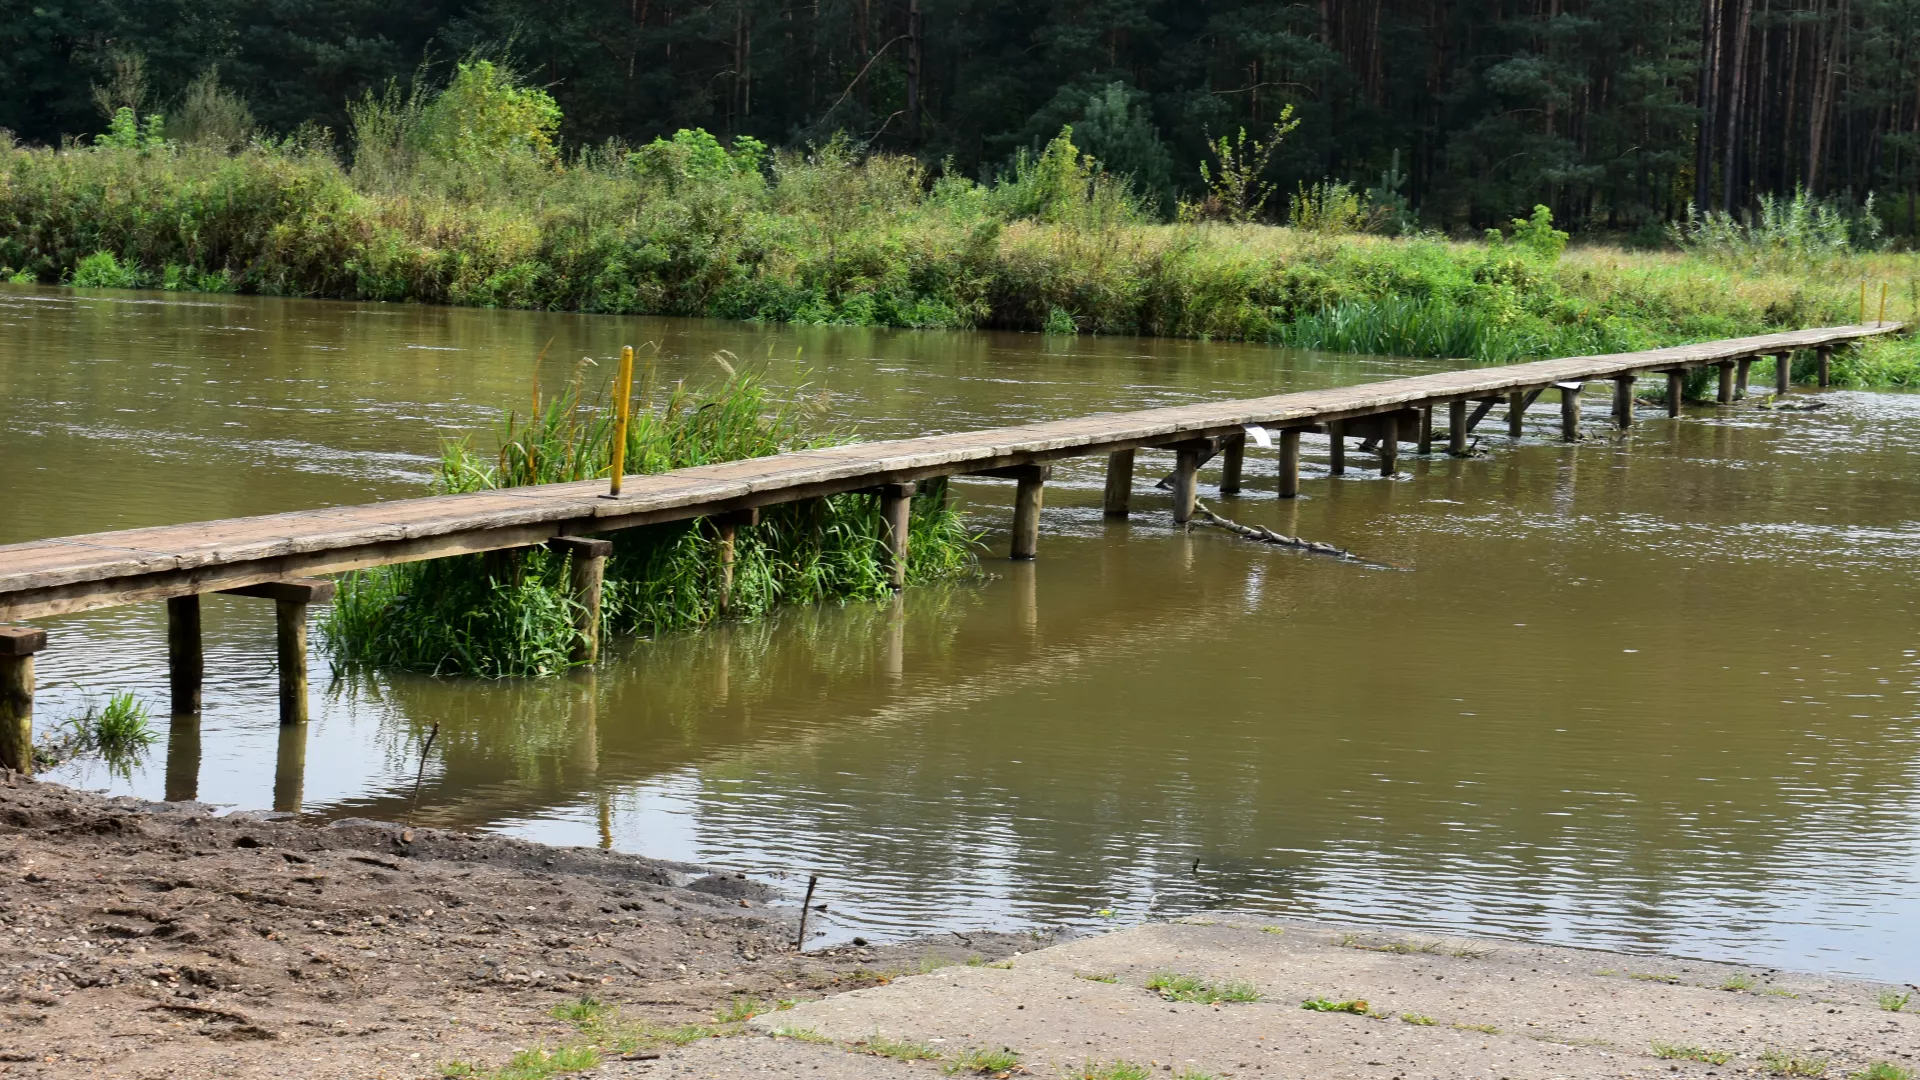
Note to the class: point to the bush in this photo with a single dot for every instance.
(101, 270)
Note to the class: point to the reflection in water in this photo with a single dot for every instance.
(183, 758)
(1655, 691)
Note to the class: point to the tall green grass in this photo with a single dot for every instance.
(689, 226)
(511, 615)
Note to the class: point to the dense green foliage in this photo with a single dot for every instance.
(1614, 113)
(689, 226)
(510, 614)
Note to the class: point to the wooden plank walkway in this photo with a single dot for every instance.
(277, 556)
(78, 573)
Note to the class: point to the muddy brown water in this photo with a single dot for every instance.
(1655, 692)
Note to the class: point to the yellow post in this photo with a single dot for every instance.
(1863, 301)
(622, 405)
(1883, 305)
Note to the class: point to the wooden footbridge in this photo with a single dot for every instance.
(280, 556)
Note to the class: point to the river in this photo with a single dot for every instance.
(1656, 692)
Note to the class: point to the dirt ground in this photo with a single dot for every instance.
(144, 939)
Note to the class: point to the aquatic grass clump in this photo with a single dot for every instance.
(119, 733)
(511, 614)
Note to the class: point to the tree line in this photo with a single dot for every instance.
(1617, 114)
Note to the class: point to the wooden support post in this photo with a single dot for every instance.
(1623, 401)
(1027, 498)
(1233, 453)
(1569, 411)
(725, 528)
(1783, 373)
(1726, 382)
(1119, 483)
(896, 512)
(1290, 463)
(1336, 448)
(587, 573)
(1389, 443)
(1186, 480)
(1457, 428)
(1676, 391)
(290, 769)
(17, 646)
(290, 600)
(186, 659)
(1516, 408)
(1426, 429)
(290, 634)
(1743, 367)
(1825, 354)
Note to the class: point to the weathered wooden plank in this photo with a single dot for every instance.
(101, 569)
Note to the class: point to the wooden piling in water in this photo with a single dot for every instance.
(1026, 509)
(1233, 453)
(1783, 373)
(1516, 409)
(726, 528)
(1457, 427)
(1290, 463)
(896, 516)
(1825, 354)
(1186, 481)
(1725, 396)
(1623, 401)
(1389, 443)
(1426, 429)
(291, 598)
(17, 646)
(1676, 391)
(1119, 494)
(586, 577)
(1336, 448)
(1744, 368)
(1569, 410)
(186, 658)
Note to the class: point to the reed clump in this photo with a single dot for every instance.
(512, 614)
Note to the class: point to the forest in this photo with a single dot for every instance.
(1616, 114)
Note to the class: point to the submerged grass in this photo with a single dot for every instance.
(511, 615)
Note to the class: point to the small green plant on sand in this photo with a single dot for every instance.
(1099, 977)
(1173, 986)
(586, 1010)
(1484, 1029)
(1112, 1070)
(1781, 1063)
(1320, 1004)
(1652, 976)
(1416, 1019)
(1742, 981)
(805, 1035)
(538, 1063)
(899, 1049)
(986, 1061)
(1691, 1053)
(743, 1008)
(1273, 930)
(1883, 1070)
(1895, 1000)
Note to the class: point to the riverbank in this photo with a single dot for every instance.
(150, 940)
(689, 228)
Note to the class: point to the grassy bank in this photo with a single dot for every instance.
(688, 227)
(511, 614)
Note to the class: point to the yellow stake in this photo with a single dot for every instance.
(622, 404)
(1883, 305)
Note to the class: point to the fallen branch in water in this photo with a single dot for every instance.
(1204, 515)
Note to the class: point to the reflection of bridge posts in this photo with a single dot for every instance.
(183, 758)
(1026, 602)
(896, 659)
(290, 769)
(586, 746)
